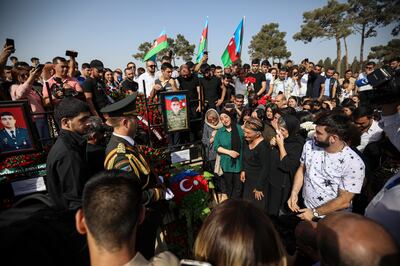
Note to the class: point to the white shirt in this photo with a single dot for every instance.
(149, 82)
(326, 173)
(128, 139)
(374, 133)
(303, 87)
(385, 208)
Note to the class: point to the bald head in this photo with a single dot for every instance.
(349, 239)
(280, 101)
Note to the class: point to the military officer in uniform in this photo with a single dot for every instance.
(122, 153)
(177, 118)
(13, 138)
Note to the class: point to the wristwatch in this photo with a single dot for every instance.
(315, 213)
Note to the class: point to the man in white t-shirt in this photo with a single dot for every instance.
(330, 172)
(148, 78)
(371, 131)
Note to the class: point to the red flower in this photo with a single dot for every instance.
(250, 80)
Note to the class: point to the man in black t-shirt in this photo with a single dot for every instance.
(94, 88)
(129, 85)
(214, 90)
(315, 83)
(260, 84)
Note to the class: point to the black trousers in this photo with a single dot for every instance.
(233, 186)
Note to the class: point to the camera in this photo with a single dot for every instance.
(71, 53)
(385, 84)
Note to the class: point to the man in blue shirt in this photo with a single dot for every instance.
(330, 83)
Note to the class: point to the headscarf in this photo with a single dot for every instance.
(235, 138)
(219, 125)
(292, 124)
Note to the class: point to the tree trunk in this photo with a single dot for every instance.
(362, 46)
(346, 52)
(338, 54)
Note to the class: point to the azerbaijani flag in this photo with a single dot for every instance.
(159, 45)
(234, 48)
(203, 43)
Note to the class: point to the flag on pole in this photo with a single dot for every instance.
(234, 48)
(203, 43)
(160, 44)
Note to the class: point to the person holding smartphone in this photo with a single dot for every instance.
(24, 78)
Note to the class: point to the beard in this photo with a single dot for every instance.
(323, 144)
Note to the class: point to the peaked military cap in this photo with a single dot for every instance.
(124, 107)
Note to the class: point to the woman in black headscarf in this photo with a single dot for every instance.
(286, 148)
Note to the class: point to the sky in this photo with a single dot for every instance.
(112, 30)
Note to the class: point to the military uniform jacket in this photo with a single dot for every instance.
(67, 170)
(21, 140)
(120, 154)
(177, 121)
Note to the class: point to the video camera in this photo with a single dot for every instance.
(385, 87)
(58, 90)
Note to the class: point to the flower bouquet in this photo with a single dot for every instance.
(191, 203)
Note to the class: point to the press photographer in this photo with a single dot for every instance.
(61, 82)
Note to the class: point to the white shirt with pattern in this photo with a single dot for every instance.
(326, 173)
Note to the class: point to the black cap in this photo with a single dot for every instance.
(124, 107)
(97, 64)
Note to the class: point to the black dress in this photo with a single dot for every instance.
(255, 164)
(281, 174)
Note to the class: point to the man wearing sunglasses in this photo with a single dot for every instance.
(149, 78)
(368, 69)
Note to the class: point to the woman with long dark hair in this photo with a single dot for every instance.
(228, 144)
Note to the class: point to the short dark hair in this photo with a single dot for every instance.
(239, 96)
(227, 76)
(393, 59)
(212, 66)
(370, 63)
(175, 99)
(255, 61)
(165, 66)
(7, 67)
(85, 65)
(166, 57)
(204, 68)
(6, 114)
(13, 58)
(190, 64)
(331, 68)
(59, 59)
(337, 124)
(69, 107)
(246, 66)
(348, 70)
(111, 207)
(218, 67)
(265, 63)
(363, 111)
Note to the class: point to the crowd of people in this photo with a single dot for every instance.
(284, 141)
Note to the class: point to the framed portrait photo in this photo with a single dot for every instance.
(18, 134)
(175, 110)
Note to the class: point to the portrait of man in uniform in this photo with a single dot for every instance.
(176, 112)
(13, 138)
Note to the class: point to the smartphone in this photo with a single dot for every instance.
(10, 42)
(194, 262)
(71, 53)
(39, 67)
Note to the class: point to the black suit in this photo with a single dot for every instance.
(21, 140)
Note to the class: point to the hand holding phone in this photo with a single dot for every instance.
(71, 53)
(10, 42)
